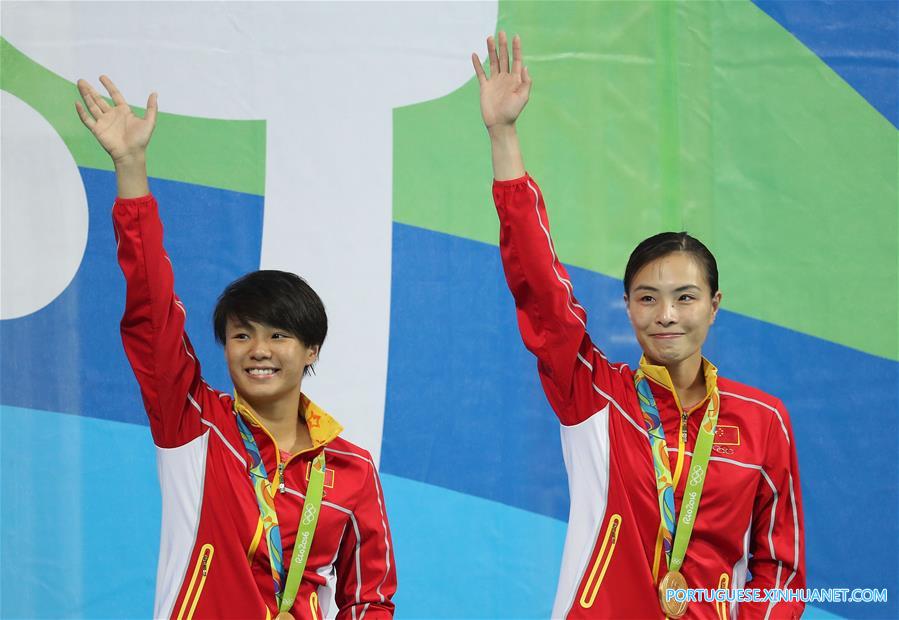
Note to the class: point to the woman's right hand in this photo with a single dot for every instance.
(117, 129)
(504, 93)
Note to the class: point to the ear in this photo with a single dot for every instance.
(627, 307)
(312, 354)
(716, 303)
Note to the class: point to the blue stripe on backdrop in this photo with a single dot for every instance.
(68, 356)
(460, 556)
(80, 511)
(465, 410)
(859, 40)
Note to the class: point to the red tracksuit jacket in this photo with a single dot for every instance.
(214, 561)
(750, 515)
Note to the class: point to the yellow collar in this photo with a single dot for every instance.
(322, 427)
(660, 375)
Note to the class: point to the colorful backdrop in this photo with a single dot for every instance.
(343, 141)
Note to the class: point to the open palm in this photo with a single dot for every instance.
(118, 130)
(504, 93)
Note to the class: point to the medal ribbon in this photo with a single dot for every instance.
(285, 593)
(675, 553)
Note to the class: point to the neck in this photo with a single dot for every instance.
(280, 418)
(688, 380)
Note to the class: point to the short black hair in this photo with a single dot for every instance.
(277, 298)
(667, 243)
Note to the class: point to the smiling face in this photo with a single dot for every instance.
(671, 307)
(266, 363)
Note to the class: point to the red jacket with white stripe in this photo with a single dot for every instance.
(214, 561)
(749, 524)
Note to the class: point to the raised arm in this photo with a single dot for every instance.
(552, 323)
(153, 323)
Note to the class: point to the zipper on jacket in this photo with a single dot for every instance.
(201, 570)
(280, 475)
(598, 572)
(281, 464)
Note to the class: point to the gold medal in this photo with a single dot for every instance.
(284, 615)
(673, 580)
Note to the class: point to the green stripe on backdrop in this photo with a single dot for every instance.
(708, 117)
(224, 154)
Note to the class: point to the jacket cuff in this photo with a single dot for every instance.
(135, 202)
(512, 182)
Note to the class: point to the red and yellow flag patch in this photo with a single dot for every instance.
(727, 435)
